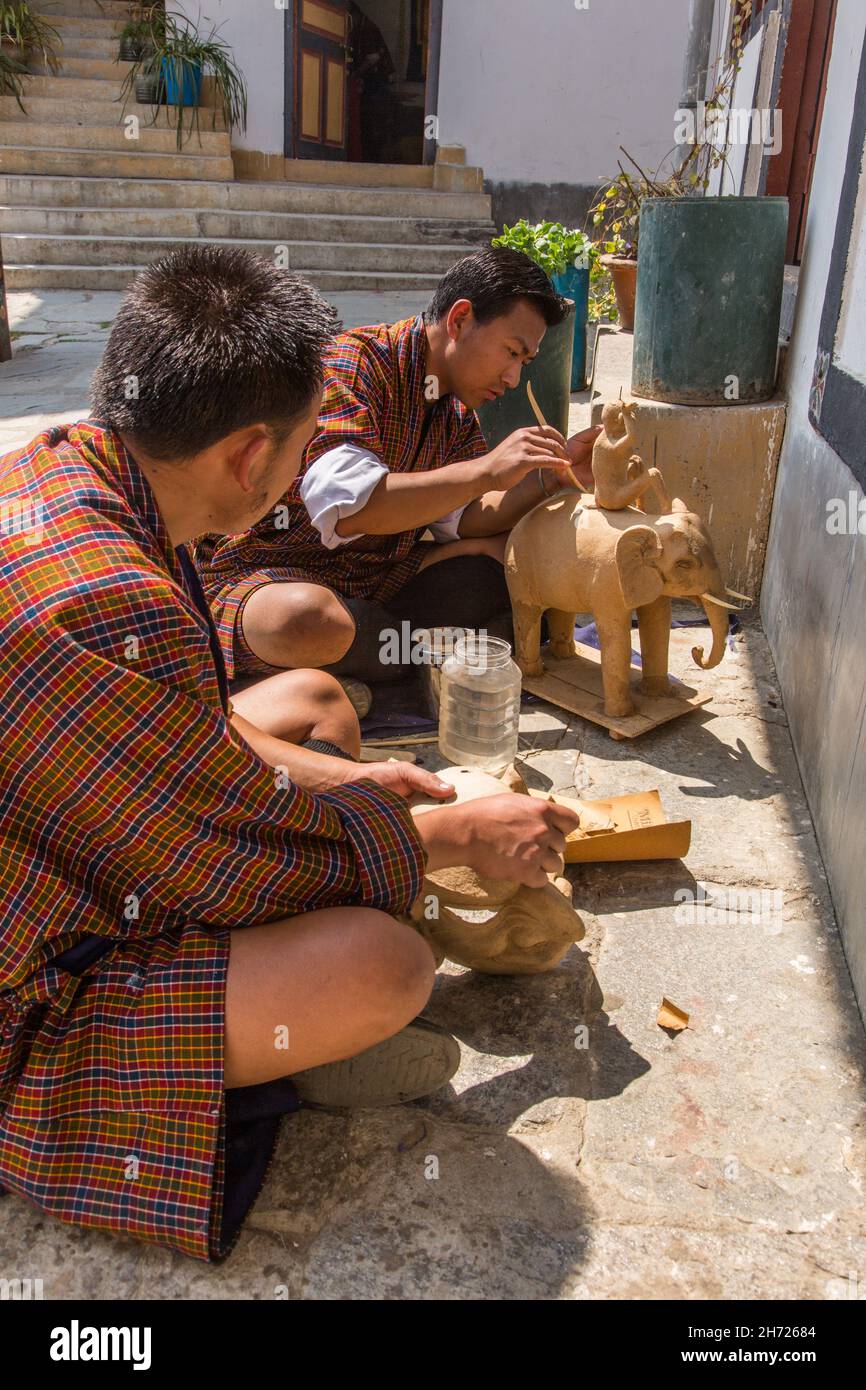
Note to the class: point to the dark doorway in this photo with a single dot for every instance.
(357, 77)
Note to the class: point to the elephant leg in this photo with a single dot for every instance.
(527, 638)
(561, 627)
(654, 622)
(615, 642)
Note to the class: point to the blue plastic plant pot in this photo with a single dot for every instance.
(190, 88)
(574, 284)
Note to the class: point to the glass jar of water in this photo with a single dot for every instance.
(479, 704)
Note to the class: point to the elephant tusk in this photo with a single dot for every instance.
(708, 598)
(733, 593)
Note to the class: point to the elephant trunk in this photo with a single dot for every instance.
(717, 613)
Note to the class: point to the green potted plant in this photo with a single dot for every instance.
(617, 212)
(139, 40)
(25, 35)
(138, 35)
(602, 297)
(180, 60)
(12, 74)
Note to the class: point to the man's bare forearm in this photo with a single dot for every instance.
(315, 772)
(404, 501)
(499, 511)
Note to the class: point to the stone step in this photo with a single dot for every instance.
(75, 27)
(85, 111)
(88, 277)
(24, 248)
(74, 66)
(185, 193)
(281, 227)
(128, 164)
(88, 46)
(334, 171)
(251, 165)
(59, 87)
(112, 138)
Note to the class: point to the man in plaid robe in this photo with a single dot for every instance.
(398, 450)
(190, 910)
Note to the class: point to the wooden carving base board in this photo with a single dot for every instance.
(575, 684)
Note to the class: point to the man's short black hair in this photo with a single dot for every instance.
(209, 340)
(493, 280)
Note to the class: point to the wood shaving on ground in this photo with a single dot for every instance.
(671, 1016)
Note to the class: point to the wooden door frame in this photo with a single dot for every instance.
(431, 90)
(290, 94)
(837, 400)
(799, 85)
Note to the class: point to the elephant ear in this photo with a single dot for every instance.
(637, 552)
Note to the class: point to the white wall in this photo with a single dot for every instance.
(539, 91)
(813, 603)
(253, 29)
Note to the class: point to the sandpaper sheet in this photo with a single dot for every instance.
(621, 828)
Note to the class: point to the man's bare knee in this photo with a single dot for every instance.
(324, 621)
(338, 980)
(396, 971)
(298, 625)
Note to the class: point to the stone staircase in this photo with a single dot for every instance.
(84, 206)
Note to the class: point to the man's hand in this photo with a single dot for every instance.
(579, 449)
(534, 447)
(404, 778)
(507, 837)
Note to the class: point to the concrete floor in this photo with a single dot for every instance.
(726, 1161)
(58, 337)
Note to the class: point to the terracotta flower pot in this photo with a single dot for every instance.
(623, 272)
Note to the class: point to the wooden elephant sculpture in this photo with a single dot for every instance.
(525, 931)
(570, 556)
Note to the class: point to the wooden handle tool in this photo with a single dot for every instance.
(536, 410)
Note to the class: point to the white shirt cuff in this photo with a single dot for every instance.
(337, 485)
(446, 529)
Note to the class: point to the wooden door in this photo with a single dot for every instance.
(801, 100)
(320, 79)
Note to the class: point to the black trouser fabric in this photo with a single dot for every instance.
(468, 591)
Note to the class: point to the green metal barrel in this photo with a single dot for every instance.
(709, 299)
(550, 375)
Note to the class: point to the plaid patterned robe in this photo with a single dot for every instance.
(374, 398)
(129, 810)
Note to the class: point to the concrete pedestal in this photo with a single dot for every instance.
(721, 460)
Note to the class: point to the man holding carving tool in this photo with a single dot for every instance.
(398, 450)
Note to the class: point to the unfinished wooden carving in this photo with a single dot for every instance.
(528, 930)
(621, 477)
(570, 556)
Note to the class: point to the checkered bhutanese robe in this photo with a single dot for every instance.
(129, 810)
(374, 398)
